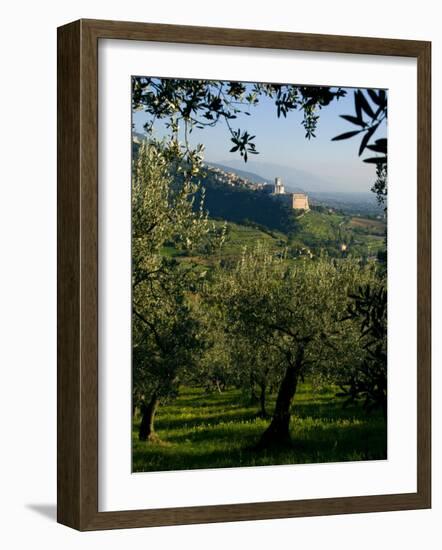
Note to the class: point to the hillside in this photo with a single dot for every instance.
(242, 205)
(255, 178)
(315, 232)
(329, 231)
(253, 216)
(294, 179)
(319, 229)
(238, 237)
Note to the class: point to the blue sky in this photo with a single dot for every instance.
(281, 141)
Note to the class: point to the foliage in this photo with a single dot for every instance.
(214, 370)
(370, 112)
(293, 309)
(258, 368)
(204, 103)
(380, 185)
(165, 333)
(236, 359)
(368, 382)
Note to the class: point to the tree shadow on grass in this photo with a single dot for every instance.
(210, 430)
(201, 399)
(204, 420)
(230, 446)
(325, 413)
(333, 410)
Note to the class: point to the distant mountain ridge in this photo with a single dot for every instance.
(253, 176)
(295, 180)
(350, 201)
(364, 201)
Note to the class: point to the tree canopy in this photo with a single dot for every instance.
(166, 337)
(296, 310)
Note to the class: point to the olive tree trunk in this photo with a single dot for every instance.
(147, 429)
(278, 432)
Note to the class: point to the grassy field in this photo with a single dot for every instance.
(315, 231)
(320, 226)
(237, 237)
(376, 227)
(213, 430)
(364, 237)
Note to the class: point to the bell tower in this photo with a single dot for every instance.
(279, 187)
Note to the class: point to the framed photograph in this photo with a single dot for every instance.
(243, 275)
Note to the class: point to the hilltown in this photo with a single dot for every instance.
(298, 201)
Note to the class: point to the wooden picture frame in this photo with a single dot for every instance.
(78, 274)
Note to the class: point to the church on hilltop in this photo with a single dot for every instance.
(278, 188)
(298, 201)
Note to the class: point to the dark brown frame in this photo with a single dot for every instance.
(78, 268)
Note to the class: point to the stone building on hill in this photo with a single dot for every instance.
(279, 187)
(300, 201)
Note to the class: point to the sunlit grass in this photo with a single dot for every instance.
(213, 430)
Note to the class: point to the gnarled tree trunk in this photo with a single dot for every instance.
(147, 431)
(278, 432)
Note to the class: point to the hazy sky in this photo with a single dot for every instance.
(282, 141)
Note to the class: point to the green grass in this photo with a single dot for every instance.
(213, 430)
(237, 238)
(320, 226)
(316, 230)
(375, 227)
(240, 236)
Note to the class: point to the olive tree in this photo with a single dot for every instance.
(366, 380)
(297, 308)
(166, 335)
(257, 366)
(214, 371)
